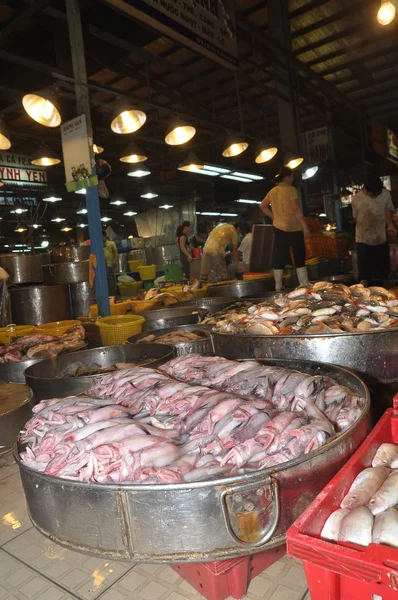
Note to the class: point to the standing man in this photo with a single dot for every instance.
(372, 210)
(111, 255)
(282, 205)
(214, 267)
(244, 250)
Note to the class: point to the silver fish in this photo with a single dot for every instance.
(356, 527)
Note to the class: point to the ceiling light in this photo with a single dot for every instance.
(217, 169)
(247, 175)
(43, 157)
(179, 132)
(97, 149)
(228, 214)
(133, 154)
(265, 153)
(166, 206)
(82, 210)
(105, 219)
(293, 160)
(149, 195)
(201, 172)
(236, 178)
(5, 139)
(139, 172)
(82, 225)
(44, 243)
(36, 225)
(118, 202)
(51, 196)
(127, 119)
(386, 12)
(82, 191)
(57, 219)
(192, 162)
(310, 172)
(234, 146)
(211, 214)
(66, 228)
(20, 228)
(42, 107)
(18, 208)
(322, 214)
(247, 201)
(130, 213)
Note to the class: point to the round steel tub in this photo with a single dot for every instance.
(211, 305)
(48, 380)
(191, 522)
(238, 289)
(16, 403)
(204, 346)
(171, 317)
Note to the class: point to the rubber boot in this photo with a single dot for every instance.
(302, 275)
(278, 276)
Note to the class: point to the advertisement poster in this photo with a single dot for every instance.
(17, 170)
(317, 144)
(76, 152)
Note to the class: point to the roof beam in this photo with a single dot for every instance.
(357, 6)
(21, 18)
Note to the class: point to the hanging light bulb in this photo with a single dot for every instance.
(127, 119)
(44, 157)
(234, 146)
(179, 132)
(118, 202)
(386, 12)
(293, 160)
(82, 210)
(97, 149)
(310, 172)
(18, 208)
(191, 163)
(265, 153)
(42, 107)
(51, 196)
(66, 228)
(20, 228)
(57, 219)
(105, 219)
(36, 225)
(148, 194)
(129, 213)
(5, 139)
(139, 172)
(133, 154)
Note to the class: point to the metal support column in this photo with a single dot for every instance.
(335, 184)
(92, 197)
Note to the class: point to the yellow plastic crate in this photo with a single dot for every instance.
(116, 330)
(130, 289)
(139, 306)
(134, 264)
(116, 309)
(147, 272)
(9, 333)
(56, 327)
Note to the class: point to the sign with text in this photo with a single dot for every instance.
(76, 149)
(207, 26)
(17, 170)
(392, 145)
(317, 144)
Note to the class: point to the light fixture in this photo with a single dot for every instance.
(118, 202)
(179, 132)
(36, 225)
(247, 201)
(228, 214)
(322, 214)
(20, 228)
(82, 225)
(248, 175)
(234, 146)
(265, 153)
(293, 160)
(51, 196)
(211, 214)
(139, 172)
(57, 219)
(5, 139)
(44, 243)
(1, 183)
(166, 206)
(42, 107)
(66, 228)
(129, 213)
(18, 208)
(237, 178)
(217, 169)
(44, 157)
(83, 191)
(127, 119)
(105, 219)
(386, 12)
(98, 149)
(201, 171)
(133, 154)
(310, 172)
(149, 195)
(82, 210)
(192, 162)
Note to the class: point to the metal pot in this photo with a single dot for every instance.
(238, 289)
(40, 304)
(24, 268)
(82, 296)
(65, 273)
(70, 254)
(191, 522)
(15, 409)
(122, 263)
(49, 381)
(171, 317)
(211, 305)
(204, 346)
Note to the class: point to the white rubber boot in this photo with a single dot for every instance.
(302, 275)
(278, 276)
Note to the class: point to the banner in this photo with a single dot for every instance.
(17, 170)
(317, 144)
(76, 154)
(207, 26)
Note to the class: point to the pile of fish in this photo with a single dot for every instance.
(368, 512)
(176, 337)
(42, 346)
(140, 425)
(322, 307)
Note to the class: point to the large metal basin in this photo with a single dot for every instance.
(204, 346)
(66, 273)
(239, 289)
(70, 254)
(49, 381)
(16, 403)
(210, 305)
(171, 317)
(191, 522)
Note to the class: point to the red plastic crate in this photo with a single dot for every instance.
(346, 571)
(218, 580)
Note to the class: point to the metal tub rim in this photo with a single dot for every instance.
(240, 479)
(302, 336)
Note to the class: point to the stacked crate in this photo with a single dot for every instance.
(325, 246)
